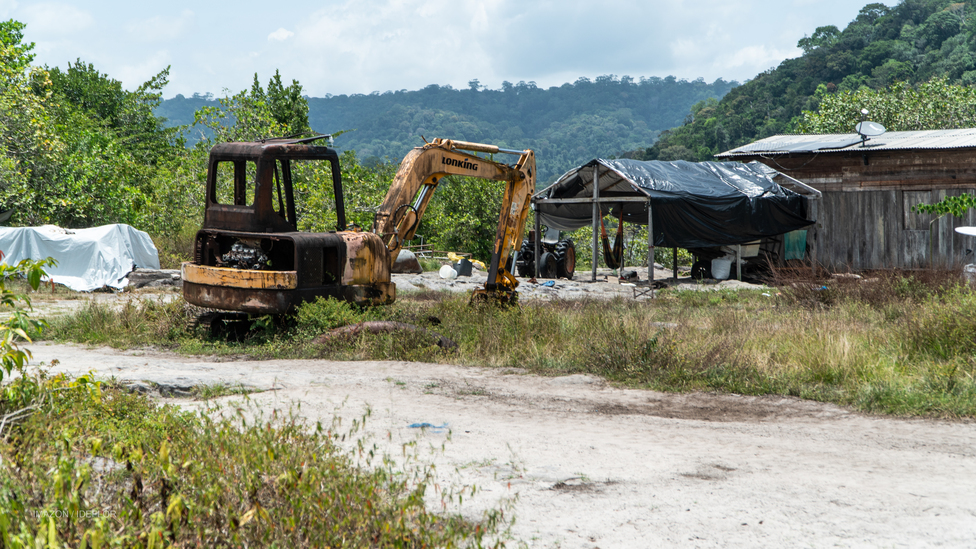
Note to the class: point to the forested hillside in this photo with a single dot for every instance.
(913, 42)
(565, 125)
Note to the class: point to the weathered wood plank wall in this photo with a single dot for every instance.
(866, 220)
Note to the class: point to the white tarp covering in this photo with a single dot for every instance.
(88, 259)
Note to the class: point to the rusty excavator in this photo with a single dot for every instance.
(249, 258)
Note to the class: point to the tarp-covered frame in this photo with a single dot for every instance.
(88, 259)
(696, 204)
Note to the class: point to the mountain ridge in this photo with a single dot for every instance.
(566, 125)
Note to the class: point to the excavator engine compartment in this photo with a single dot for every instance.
(271, 274)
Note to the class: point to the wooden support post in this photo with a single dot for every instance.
(738, 262)
(813, 239)
(674, 265)
(650, 245)
(596, 215)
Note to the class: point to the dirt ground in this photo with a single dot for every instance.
(606, 285)
(587, 465)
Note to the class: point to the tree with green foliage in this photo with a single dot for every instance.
(931, 105)
(78, 149)
(912, 42)
(822, 37)
(27, 131)
(256, 114)
(287, 105)
(15, 56)
(129, 115)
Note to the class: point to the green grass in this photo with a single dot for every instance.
(217, 390)
(429, 264)
(896, 344)
(105, 468)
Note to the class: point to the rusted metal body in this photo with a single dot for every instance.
(420, 172)
(250, 257)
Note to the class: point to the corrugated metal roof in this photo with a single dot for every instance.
(847, 142)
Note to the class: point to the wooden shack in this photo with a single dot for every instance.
(869, 187)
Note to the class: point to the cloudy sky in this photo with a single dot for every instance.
(362, 46)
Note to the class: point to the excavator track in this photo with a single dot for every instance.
(222, 324)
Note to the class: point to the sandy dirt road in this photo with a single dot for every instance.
(596, 466)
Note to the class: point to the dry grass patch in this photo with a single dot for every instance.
(891, 342)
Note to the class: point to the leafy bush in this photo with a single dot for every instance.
(18, 326)
(106, 468)
(324, 314)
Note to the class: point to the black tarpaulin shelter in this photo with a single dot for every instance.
(688, 204)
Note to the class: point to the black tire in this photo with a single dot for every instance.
(224, 325)
(565, 259)
(526, 265)
(547, 265)
(701, 270)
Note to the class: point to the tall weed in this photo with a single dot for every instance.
(904, 339)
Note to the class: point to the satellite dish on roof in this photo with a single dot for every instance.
(867, 128)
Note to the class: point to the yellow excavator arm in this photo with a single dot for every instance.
(422, 169)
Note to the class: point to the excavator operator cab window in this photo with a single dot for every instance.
(281, 191)
(316, 182)
(233, 183)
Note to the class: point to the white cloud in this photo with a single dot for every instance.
(7, 8)
(133, 76)
(280, 35)
(358, 46)
(754, 59)
(160, 27)
(56, 18)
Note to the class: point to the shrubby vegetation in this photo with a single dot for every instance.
(912, 42)
(97, 466)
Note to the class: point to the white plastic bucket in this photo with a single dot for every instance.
(969, 274)
(448, 272)
(721, 268)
